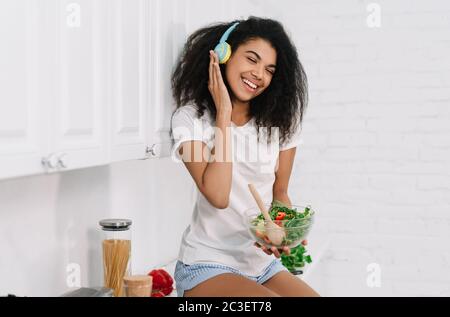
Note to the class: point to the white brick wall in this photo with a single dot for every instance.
(376, 155)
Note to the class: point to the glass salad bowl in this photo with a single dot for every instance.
(293, 223)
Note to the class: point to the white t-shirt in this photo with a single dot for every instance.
(221, 236)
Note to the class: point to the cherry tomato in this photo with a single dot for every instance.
(280, 215)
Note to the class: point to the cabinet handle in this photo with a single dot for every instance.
(50, 161)
(152, 150)
(62, 160)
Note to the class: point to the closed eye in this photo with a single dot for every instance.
(251, 59)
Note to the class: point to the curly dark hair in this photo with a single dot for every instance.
(281, 105)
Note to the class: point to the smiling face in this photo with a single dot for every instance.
(250, 69)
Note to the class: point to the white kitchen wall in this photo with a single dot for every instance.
(374, 164)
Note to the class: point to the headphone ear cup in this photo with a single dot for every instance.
(223, 50)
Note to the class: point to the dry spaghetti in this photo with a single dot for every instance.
(116, 255)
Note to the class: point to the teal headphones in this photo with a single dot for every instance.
(223, 49)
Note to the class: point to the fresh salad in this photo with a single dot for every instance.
(296, 225)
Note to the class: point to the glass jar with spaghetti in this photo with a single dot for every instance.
(116, 246)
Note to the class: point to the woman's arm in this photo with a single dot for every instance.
(282, 175)
(280, 189)
(213, 177)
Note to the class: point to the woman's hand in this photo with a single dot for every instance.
(216, 86)
(275, 251)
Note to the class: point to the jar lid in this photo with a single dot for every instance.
(115, 224)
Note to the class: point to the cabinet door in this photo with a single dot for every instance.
(168, 34)
(23, 113)
(128, 26)
(79, 113)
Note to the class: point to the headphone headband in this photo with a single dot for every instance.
(227, 33)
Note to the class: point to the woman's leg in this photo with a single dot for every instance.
(229, 285)
(286, 284)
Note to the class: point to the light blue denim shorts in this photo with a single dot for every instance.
(189, 276)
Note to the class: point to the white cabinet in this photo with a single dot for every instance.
(78, 106)
(168, 33)
(86, 82)
(128, 85)
(23, 121)
(53, 86)
(73, 84)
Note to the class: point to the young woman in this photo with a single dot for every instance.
(221, 106)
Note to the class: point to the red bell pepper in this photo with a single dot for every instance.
(162, 283)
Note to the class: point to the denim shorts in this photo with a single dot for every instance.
(189, 276)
